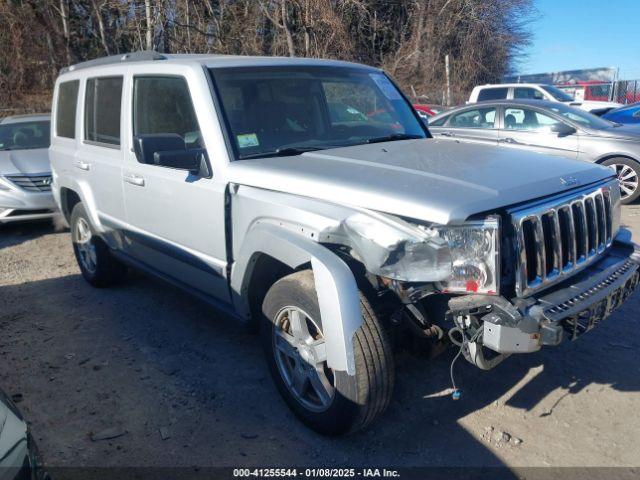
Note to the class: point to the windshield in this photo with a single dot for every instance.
(581, 117)
(287, 110)
(24, 135)
(557, 93)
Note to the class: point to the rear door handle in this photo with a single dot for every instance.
(447, 134)
(79, 164)
(133, 179)
(508, 140)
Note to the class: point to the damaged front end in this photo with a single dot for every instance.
(446, 281)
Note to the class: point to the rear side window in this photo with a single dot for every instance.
(102, 104)
(476, 118)
(66, 109)
(492, 94)
(438, 122)
(163, 105)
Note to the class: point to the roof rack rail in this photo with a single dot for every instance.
(139, 56)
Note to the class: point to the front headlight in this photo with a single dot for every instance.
(461, 258)
(3, 185)
(475, 256)
(395, 249)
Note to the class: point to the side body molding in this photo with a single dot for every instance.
(338, 295)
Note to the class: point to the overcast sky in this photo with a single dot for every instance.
(575, 34)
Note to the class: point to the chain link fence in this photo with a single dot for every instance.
(626, 91)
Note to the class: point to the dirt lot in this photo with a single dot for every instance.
(190, 388)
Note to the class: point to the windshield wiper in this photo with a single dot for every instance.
(394, 137)
(283, 152)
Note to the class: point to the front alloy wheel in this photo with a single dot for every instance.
(330, 401)
(302, 359)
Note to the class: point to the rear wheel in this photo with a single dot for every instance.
(628, 172)
(97, 265)
(330, 402)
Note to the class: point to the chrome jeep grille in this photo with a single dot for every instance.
(558, 238)
(33, 182)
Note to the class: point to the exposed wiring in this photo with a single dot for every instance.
(456, 393)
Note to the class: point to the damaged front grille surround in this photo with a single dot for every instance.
(559, 238)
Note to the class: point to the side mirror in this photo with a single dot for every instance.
(424, 117)
(562, 129)
(169, 150)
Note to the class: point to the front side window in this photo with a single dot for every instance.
(527, 119)
(162, 105)
(476, 118)
(273, 111)
(66, 109)
(527, 92)
(103, 100)
(24, 135)
(492, 94)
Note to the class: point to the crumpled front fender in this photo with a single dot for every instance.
(335, 284)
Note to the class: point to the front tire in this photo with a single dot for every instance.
(628, 172)
(97, 265)
(330, 402)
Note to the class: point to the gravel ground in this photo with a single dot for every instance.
(179, 384)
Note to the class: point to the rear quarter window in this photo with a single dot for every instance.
(492, 94)
(66, 109)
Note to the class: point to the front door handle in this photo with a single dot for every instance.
(79, 164)
(447, 134)
(509, 140)
(134, 179)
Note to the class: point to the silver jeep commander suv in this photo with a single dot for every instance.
(306, 196)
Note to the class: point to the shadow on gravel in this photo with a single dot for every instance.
(17, 233)
(190, 387)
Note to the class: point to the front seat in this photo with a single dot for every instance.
(510, 121)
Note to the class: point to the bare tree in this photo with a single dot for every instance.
(408, 38)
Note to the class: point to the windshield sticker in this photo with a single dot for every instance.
(247, 140)
(386, 86)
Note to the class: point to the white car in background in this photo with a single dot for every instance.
(534, 91)
(25, 172)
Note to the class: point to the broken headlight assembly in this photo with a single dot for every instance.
(457, 259)
(475, 256)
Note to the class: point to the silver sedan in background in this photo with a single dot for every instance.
(25, 171)
(548, 127)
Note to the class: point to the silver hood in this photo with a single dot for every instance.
(623, 132)
(24, 161)
(431, 180)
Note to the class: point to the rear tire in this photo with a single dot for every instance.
(628, 172)
(97, 265)
(348, 403)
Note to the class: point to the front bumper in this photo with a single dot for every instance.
(17, 205)
(567, 310)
